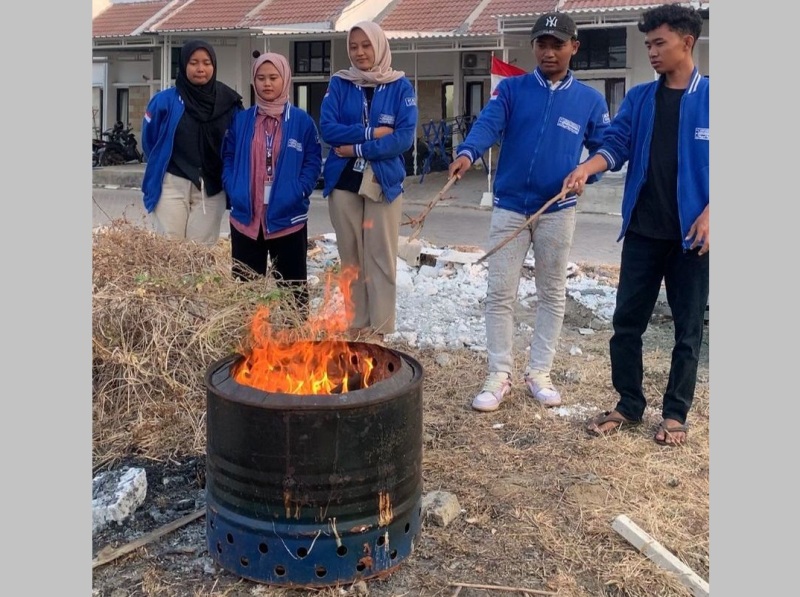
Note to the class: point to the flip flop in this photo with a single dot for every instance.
(668, 431)
(593, 424)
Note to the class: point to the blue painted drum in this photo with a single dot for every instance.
(315, 490)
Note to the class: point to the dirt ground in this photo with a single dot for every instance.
(538, 495)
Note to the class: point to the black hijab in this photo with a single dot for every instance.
(203, 102)
(209, 109)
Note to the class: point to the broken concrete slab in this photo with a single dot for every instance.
(116, 495)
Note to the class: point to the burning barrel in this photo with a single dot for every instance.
(315, 489)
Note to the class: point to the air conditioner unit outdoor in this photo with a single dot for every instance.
(475, 60)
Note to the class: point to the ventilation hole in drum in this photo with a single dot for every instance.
(361, 567)
(229, 537)
(393, 554)
(212, 523)
(390, 367)
(320, 572)
(408, 527)
(341, 550)
(263, 547)
(245, 562)
(302, 552)
(381, 540)
(280, 570)
(354, 359)
(219, 547)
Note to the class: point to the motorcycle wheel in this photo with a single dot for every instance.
(111, 157)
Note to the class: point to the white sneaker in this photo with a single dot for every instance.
(542, 389)
(495, 388)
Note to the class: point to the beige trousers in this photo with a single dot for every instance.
(366, 234)
(183, 212)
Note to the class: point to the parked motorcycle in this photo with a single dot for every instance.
(120, 147)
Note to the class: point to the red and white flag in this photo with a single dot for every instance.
(501, 70)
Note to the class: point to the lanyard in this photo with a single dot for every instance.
(270, 142)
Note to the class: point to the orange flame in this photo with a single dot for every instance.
(312, 361)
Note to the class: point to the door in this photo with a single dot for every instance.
(308, 97)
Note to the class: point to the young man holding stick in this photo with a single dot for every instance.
(545, 119)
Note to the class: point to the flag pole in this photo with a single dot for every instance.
(488, 199)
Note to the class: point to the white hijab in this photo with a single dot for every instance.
(382, 71)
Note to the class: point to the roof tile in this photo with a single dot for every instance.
(118, 20)
(287, 12)
(198, 15)
(428, 15)
(487, 23)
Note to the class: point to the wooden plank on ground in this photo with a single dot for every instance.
(106, 555)
(647, 545)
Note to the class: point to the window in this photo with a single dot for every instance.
(601, 48)
(474, 98)
(312, 58)
(447, 101)
(123, 106)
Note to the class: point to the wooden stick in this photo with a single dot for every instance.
(502, 588)
(106, 555)
(419, 221)
(527, 223)
(637, 537)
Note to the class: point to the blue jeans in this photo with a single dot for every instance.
(645, 263)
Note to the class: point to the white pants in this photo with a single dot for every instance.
(551, 235)
(182, 212)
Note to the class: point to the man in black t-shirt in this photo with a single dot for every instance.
(662, 131)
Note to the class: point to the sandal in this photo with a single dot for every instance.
(593, 424)
(668, 431)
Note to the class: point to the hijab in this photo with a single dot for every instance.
(205, 102)
(382, 71)
(275, 107)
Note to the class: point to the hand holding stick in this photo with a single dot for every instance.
(527, 223)
(419, 221)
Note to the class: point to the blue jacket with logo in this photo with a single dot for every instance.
(628, 139)
(160, 122)
(342, 123)
(543, 131)
(296, 172)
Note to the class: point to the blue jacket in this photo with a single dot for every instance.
(296, 171)
(159, 124)
(342, 123)
(543, 133)
(628, 139)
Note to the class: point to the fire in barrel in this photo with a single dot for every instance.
(314, 457)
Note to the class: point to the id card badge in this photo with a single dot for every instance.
(267, 190)
(360, 164)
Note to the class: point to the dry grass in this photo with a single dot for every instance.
(538, 494)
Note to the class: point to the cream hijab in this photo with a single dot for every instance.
(274, 108)
(382, 71)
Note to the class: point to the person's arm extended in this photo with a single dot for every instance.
(576, 180)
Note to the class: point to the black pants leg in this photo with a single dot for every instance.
(288, 254)
(641, 271)
(686, 279)
(290, 264)
(248, 254)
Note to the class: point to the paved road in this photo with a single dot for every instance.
(447, 224)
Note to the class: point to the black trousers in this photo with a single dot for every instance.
(288, 256)
(645, 263)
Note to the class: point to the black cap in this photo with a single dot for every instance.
(556, 24)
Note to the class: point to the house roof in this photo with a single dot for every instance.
(199, 15)
(428, 15)
(423, 17)
(609, 5)
(287, 12)
(120, 20)
(487, 21)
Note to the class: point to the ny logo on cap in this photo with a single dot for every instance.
(552, 21)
